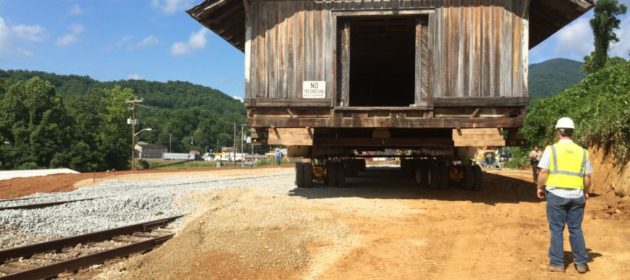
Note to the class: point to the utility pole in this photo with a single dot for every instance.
(133, 123)
(242, 140)
(170, 147)
(234, 144)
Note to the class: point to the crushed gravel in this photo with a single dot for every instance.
(116, 203)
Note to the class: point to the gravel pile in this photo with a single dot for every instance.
(113, 203)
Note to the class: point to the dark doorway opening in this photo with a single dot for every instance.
(382, 61)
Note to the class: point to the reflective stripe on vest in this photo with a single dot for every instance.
(567, 174)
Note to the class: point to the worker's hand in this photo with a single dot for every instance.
(540, 193)
(586, 196)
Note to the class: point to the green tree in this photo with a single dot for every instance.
(599, 106)
(34, 123)
(100, 137)
(115, 135)
(603, 23)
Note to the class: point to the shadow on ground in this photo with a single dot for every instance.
(391, 183)
(568, 257)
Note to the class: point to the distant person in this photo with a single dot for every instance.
(534, 159)
(565, 178)
(278, 156)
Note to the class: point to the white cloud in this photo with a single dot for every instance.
(237, 98)
(197, 40)
(75, 10)
(575, 40)
(622, 48)
(148, 41)
(71, 37)
(11, 36)
(119, 44)
(128, 42)
(135, 76)
(170, 6)
(5, 34)
(33, 33)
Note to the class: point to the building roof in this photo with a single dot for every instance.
(546, 17)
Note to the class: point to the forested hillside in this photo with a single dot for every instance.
(553, 76)
(86, 119)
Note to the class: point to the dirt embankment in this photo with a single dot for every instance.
(382, 227)
(19, 187)
(608, 177)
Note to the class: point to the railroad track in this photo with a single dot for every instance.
(69, 255)
(42, 205)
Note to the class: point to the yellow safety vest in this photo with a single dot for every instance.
(568, 165)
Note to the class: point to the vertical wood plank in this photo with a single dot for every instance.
(300, 41)
(525, 49)
(466, 40)
(268, 50)
(290, 50)
(460, 38)
(281, 84)
(418, 72)
(476, 50)
(329, 51)
(432, 87)
(485, 49)
(516, 89)
(506, 50)
(248, 57)
(495, 70)
(345, 64)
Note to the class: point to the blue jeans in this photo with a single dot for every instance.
(569, 211)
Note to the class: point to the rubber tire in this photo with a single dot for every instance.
(341, 175)
(419, 174)
(444, 180)
(308, 175)
(434, 176)
(331, 174)
(478, 177)
(469, 178)
(353, 167)
(299, 174)
(303, 174)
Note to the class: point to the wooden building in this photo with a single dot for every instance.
(384, 73)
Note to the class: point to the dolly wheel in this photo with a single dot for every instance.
(478, 177)
(419, 174)
(341, 175)
(331, 174)
(434, 176)
(469, 177)
(303, 174)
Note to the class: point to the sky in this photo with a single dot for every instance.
(156, 40)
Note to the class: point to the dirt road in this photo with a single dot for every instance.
(381, 228)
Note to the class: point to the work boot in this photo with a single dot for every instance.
(581, 268)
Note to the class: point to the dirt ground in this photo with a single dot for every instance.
(382, 227)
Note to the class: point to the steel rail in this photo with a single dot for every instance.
(58, 244)
(42, 205)
(85, 261)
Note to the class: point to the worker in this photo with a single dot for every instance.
(278, 156)
(534, 159)
(564, 179)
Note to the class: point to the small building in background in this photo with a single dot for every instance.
(145, 150)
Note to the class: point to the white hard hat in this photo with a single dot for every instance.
(565, 123)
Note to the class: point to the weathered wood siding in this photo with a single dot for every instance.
(476, 47)
(291, 42)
